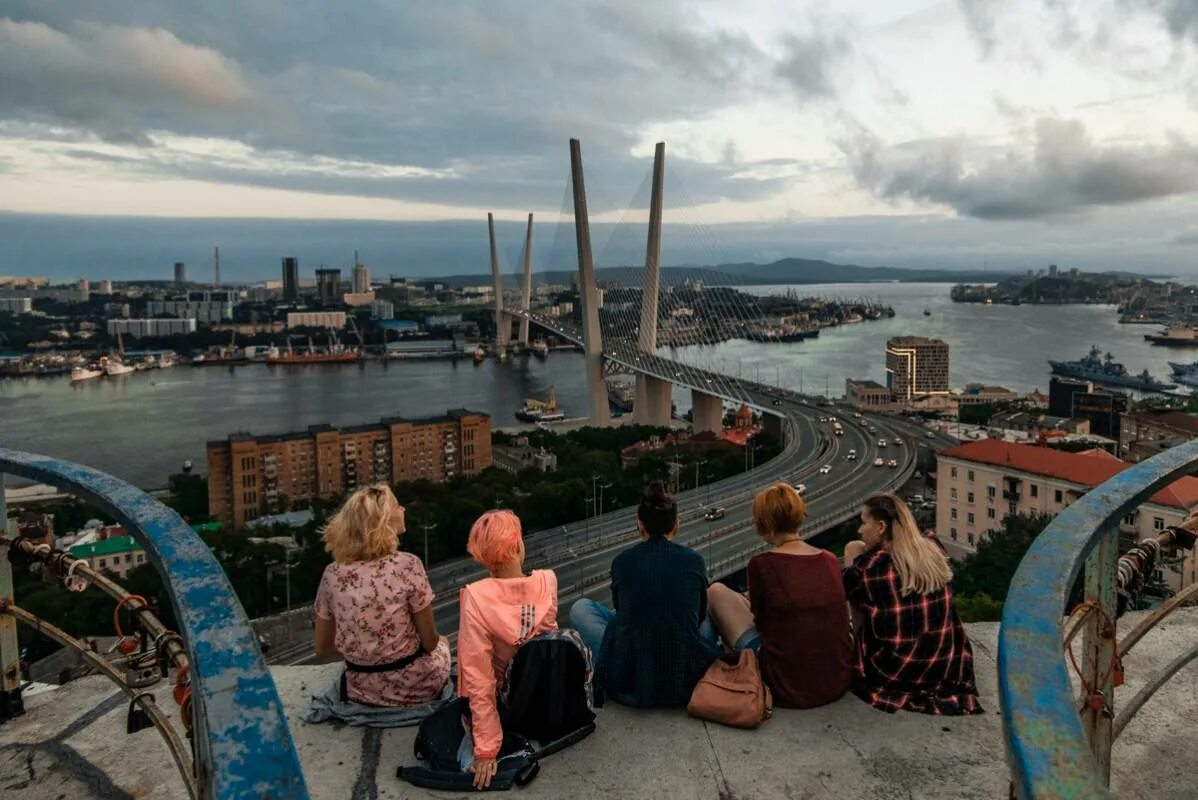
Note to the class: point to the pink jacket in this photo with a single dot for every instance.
(498, 615)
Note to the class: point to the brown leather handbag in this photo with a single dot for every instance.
(732, 693)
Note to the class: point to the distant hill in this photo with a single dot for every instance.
(786, 271)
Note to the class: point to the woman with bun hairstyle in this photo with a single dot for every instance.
(912, 651)
(648, 648)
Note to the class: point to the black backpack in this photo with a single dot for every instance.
(547, 698)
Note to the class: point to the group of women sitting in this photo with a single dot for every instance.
(882, 624)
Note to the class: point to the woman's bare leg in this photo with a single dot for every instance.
(729, 611)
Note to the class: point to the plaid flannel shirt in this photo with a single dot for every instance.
(912, 653)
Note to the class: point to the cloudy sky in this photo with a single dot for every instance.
(959, 132)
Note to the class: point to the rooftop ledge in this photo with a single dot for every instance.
(71, 745)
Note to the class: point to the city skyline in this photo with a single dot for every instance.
(933, 133)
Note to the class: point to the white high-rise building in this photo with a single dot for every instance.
(361, 281)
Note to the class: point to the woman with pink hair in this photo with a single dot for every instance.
(498, 614)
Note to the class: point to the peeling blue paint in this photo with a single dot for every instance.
(1046, 744)
(244, 749)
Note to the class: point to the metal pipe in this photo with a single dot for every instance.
(173, 743)
(1149, 689)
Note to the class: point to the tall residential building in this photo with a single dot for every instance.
(328, 286)
(105, 287)
(290, 278)
(361, 281)
(250, 477)
(1068, 397)
(979, 483)
(916, 367)
(83, 290)
(205, 307)
(180, 273)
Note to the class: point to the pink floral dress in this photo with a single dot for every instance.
(373, 604)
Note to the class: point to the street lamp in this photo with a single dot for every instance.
(590, 501)
(601, 507)
(698, 464)
(428, 526)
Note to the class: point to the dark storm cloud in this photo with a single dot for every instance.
(1063, 173)
(489, 92)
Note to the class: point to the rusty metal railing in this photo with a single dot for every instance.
(242, 744)
(1053, 749)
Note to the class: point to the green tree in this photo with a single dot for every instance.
(989, 570)
(188, 496)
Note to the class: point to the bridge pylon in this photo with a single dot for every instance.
(652, 405)
(588, 296)
(503, 323)
(526, 286)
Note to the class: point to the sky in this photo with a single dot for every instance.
(1009, 133)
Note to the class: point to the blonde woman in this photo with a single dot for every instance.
(912, 651)
(374, 607)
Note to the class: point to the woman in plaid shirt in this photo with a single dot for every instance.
(912, 651)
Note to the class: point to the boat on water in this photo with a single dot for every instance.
(540, 349)
(335, 357)
(1095, 367)
(479, 354)
(1175, 336)
(114, 368)
(1185, 374)
(927, 313)
(85, 373)
(535, 410)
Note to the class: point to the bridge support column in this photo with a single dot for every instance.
(588, 296)
(707, 412)
(526, 287)
(503, 324)
(772, 425)
(653, 401)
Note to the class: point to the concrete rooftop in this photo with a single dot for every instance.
(71, 745)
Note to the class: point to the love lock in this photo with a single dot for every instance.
(142, 672)
(138, 718)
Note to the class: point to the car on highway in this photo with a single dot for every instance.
(872, 429)
(879, 462)
(715, 513)
(800, 487)
(898, 442)
(777, 402)
(825, 469)
(930, 435)
(881, 443)
(852, 456)
(892, 463)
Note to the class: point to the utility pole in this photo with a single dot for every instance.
(698, 464)
(428, 526)
(590, 504)
(675, 466)
(594, 482)
(601, 507)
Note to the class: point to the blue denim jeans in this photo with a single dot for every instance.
(591, 618)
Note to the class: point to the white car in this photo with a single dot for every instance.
(879, 462)
(825, 469)
(891, 463)
(800, 488)
(881, 443)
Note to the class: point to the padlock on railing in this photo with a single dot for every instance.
(138, 719)
(142, 670)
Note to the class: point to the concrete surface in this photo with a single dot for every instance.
(72, 745)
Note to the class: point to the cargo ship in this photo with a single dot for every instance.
(1094, 367)
(333, 357)
(620, 395)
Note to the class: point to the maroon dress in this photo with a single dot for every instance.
(799, 609)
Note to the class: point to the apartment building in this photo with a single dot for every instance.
(980, 483)
(119, 555)
(316, 319)
(1144, 434)
(253, 476)
(916, 366)
(151, 327)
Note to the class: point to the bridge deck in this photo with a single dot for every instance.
(72, 745)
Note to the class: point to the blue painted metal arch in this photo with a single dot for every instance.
(1046, 744)
(243, 745)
